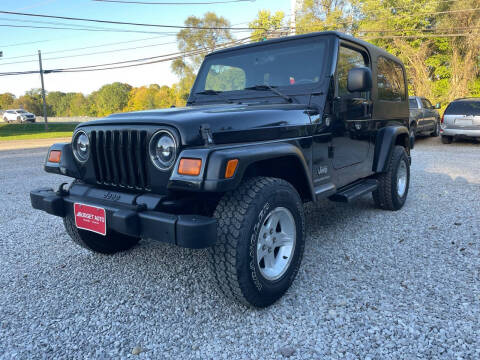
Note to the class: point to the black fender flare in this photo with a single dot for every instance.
(248, 155)
(67, 165)
(385, 141)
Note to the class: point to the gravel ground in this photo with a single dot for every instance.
(373, 284)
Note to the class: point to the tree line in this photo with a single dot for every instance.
(111, 98)
(438, 41)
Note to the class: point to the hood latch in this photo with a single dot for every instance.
(206, 133)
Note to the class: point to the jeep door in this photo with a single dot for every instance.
(350, 139)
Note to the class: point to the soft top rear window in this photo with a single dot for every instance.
(463, 108)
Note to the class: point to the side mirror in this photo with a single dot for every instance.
(437, 106)
(359, 79)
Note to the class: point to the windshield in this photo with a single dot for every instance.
(287, 65)
(21, 112)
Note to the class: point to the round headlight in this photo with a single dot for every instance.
(163, 150)
(81, 146)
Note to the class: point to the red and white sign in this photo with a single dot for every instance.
(90, 218)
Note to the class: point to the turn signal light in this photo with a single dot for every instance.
(231, 167)
(54, 156)
(190, 167)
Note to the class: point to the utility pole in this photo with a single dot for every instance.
(295, 6)
(43, 91)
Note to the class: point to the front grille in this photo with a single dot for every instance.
(119, 158)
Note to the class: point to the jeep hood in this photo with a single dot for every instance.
(229, 123)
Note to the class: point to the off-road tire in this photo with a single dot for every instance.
(447, 139)
(436, 131)
(386, 196)
(112, 243)
(240, 214)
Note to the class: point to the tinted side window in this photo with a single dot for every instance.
(412, 104)
(463, 108)
(390, 80)
(347, 59)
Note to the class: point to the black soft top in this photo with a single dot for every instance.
(375, 51)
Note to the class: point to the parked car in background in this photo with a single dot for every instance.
(461, 119)
(424, 117)
(18, 115)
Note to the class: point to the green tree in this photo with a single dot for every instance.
(109, 99)
(322, 15)
(265, 23)
(58, 103)
(204, 34)
(6, 101)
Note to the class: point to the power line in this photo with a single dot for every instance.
(88, 54)
(122, 22)
(418, 30)
(180, 53)
(413, 36)
(126, 64)
(173, 3)
(87, 47)
(352, 22)
(84, 29)
(24, 43)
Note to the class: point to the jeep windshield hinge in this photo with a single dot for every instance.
(206, 133)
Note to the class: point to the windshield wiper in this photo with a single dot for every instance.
(215, 92)
(271, 88)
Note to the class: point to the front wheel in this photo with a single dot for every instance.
(393, 184)
(260, 241)
(111, 243)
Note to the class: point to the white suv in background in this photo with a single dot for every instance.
(18, 115)
(461, 119)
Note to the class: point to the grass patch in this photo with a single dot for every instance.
(35, 131)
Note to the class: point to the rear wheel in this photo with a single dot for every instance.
(394, 183)
(5, 119)
(447, 139)
(436, 131)
(111, 243)
(260, 243)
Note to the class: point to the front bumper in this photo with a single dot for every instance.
(475, 133)
(131, 214)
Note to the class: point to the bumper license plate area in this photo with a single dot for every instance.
(463, 122)
(91, 218)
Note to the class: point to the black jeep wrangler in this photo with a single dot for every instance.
(267, 127)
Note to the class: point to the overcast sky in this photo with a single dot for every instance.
(57, 41)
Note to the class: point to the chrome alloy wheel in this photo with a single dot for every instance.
(276, 243)
(401, 178)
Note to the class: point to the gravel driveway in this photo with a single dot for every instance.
(373, 284)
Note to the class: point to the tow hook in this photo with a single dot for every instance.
(61, 191)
